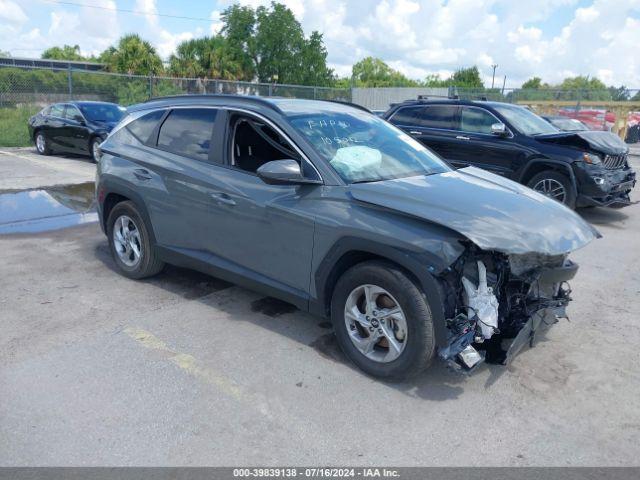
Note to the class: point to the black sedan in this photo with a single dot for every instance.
(74, 127)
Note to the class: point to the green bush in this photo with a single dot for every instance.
(13, 126)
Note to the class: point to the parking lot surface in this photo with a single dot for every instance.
(185, 369)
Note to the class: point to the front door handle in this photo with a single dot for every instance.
(142, 174)
(462, 137)
(415, 132)
(223, 198)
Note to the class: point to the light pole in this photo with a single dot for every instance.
(493, 77)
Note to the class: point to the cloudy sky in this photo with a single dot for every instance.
(549, 38)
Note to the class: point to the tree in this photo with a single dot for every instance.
(66, 52)
(239, 31)
(373, 72)
(269, 45)
(132, 55)
(619, 94)
(534, 83)
(208, 57)
(582, 83)
(467, 78)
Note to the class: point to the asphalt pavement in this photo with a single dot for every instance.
(185, 369)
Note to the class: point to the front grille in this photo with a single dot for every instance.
(613, 162)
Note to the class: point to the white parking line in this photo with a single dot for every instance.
(43, 163)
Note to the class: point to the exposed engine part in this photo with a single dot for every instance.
(497, 303)
(470, 356)
(482, 302)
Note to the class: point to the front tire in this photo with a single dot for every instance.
(93, 148)
(42, 144)
(554, 185)
(130, 242)
(382, 321)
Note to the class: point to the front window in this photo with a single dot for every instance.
(102, 112)
(476, 120)
(361, 147)
(525, 121)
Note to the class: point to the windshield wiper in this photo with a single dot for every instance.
(370, 180)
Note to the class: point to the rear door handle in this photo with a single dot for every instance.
(414, 132)
(223, 198)
(462, 137)
(142, 174)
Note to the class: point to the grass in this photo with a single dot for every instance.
(13, 126)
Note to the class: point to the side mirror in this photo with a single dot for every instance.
(283, 172)
(79, 119)
(499, 129)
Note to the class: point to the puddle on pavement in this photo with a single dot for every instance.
(33, 211)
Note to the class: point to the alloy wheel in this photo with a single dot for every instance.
(126, 239)
(375, 323)
(95, 149)
(41, 143)
(552, 189)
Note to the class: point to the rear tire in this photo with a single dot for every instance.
(42, 144)
(554, 185)
(130, 242)
(414, 335)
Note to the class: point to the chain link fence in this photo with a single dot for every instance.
(25, 90)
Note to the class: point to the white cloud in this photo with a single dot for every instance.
(417, 37)
(12, 13)
(150, 9)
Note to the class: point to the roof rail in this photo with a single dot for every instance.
(350, 104)
(250, 98)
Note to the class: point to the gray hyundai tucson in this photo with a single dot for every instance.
(328, 207)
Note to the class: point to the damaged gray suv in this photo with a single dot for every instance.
(338, 212)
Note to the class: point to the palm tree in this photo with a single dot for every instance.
(133, 56)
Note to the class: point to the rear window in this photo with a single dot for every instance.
(437, 116)
(188, 132)
(143, 127)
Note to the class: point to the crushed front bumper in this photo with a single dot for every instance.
(599, 187)
(546, 304)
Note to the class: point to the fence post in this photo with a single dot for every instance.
(69, 81)
(150, 86)
(270, 90)
(315, 93)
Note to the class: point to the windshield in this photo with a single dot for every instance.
(525, 121)
(568, 124)
(102, 112)
(363, 148)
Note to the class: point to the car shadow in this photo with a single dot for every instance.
(437, 383)
(612, 217)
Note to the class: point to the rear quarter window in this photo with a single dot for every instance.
(143, 127)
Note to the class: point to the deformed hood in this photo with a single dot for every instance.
(491, 211)
(599, 141)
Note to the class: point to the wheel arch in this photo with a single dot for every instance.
(114, 194)
(351, 252)
(538, 165)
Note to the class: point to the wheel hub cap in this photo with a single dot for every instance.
(551, 188)
(375, 323)
(126, 239)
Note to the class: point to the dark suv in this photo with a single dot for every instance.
(585, 168)
(335, 210)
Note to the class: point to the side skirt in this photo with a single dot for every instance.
(215, 266)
